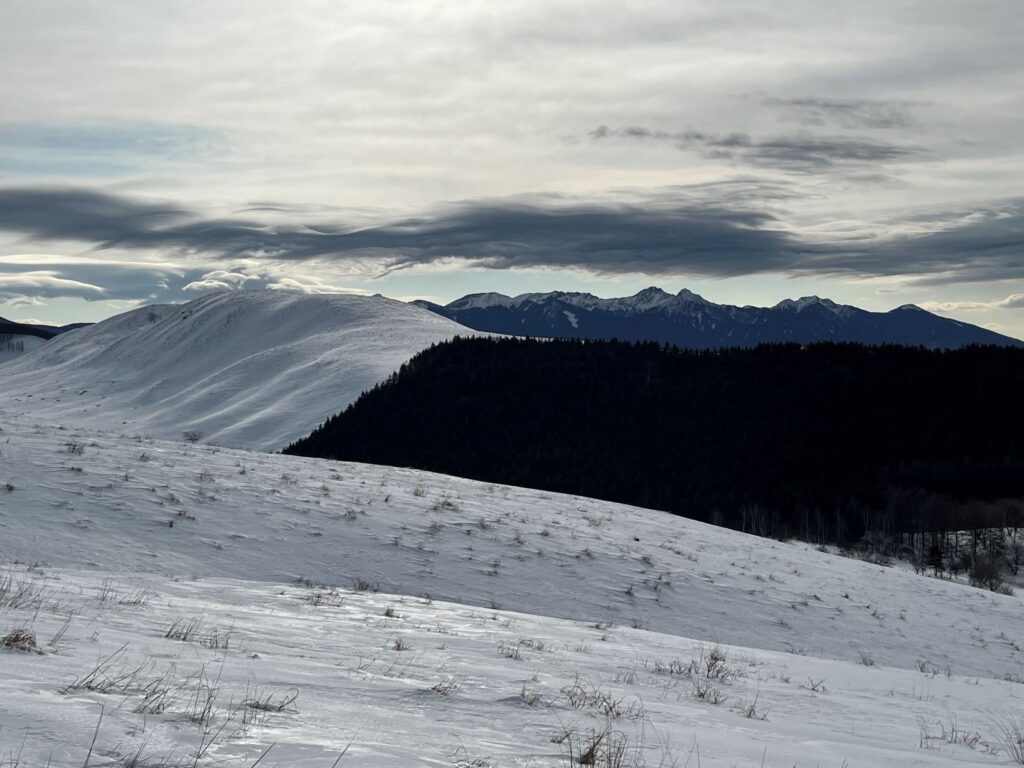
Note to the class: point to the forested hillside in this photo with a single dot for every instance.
(825, 442)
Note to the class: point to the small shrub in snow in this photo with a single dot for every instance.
(530, 698)
(110, 675)
(604, 748)
(329, 597)
(446, 687)
(580, 696)
(20, 640)
(267, 701)
(815, 685)
(184, 630)
(510, 649)
(952, 734)
(751, 710)
(703, 690)
(362, 585)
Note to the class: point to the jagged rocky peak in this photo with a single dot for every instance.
(650, 297)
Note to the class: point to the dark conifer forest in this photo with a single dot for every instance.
(827, 442)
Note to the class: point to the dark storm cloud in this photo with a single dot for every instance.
(977, 245)
(801, 153)
(79, 214)
(684, 232)
(698, 236)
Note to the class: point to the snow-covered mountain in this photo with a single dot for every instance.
(689, 320)
(244, 368)
(164, 589)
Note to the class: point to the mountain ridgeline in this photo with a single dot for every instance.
(14, 328)
(826, 441)
(688, 320)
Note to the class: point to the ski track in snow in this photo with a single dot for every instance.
(558, 581)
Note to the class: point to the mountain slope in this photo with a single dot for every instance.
(89, 499)
(689, 320)
(171, 628)
(244, 368)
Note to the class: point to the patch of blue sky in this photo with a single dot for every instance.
(99, 149)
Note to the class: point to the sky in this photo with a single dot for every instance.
(750, 150)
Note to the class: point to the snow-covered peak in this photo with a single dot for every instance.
(799, 305)
(253, 369)
(483, 301)
(691, 297)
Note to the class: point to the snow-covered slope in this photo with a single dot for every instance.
(95, 500)
(170, 571)
(381, 681)
(14, 345)
(245, 368)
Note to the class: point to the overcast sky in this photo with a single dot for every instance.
(750, 150)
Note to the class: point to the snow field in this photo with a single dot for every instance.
(205, 588)
(229, 669)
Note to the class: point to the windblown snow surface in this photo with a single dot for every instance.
(510, 627)
(253, 369)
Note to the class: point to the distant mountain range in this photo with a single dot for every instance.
(688, 320)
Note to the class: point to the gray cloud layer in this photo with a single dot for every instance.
(846, 113)
(799, 153)
(678, 234)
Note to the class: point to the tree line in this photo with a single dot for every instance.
(831, 443)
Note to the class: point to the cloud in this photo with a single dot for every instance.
(26, 278)
(710, 230)
(980, 244)
(20, 300)
(22, 288)
(604, 237)
(221, 280)
(846, 113)
(306, 284)
(799, 153)
(1013, 301)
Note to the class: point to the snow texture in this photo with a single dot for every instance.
(254, 369)
(850, 663)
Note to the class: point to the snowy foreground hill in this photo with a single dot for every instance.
(182, 604)
(253, 369)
